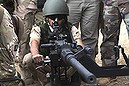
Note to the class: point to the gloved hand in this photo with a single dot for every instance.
(37, 58)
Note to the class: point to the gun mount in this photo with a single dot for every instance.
(109, 71)
(91, 68)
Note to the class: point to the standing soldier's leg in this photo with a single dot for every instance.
(110, 33)
(112, 21)
(86, 12)
(89, 26)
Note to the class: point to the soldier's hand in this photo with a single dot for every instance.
(37, 58)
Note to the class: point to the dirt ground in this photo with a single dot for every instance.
(124, 42)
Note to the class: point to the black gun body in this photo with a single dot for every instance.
(63, 56)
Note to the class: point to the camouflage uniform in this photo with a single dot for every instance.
(31, 15)
(110, 31)
(113, 12)
(112, 19)
(28, 11)
(8, 42)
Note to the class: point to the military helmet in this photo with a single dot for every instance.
(55, 7)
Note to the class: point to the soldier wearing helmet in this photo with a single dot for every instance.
(55, 12)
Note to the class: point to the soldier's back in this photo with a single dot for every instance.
(8, 41)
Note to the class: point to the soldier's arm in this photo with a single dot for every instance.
(77, 36)
(34, 44)
(34, 47)
(79, 42)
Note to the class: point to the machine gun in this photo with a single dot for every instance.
(62, 57)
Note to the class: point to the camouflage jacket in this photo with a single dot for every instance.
(122, 2)
(123, 5)
(8, 40)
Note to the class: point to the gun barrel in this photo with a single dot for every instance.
(68, 57)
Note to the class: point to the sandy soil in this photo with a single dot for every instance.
(124, 42)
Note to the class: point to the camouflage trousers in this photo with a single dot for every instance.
(110, 31)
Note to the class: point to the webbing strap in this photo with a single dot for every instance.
(1, 14)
